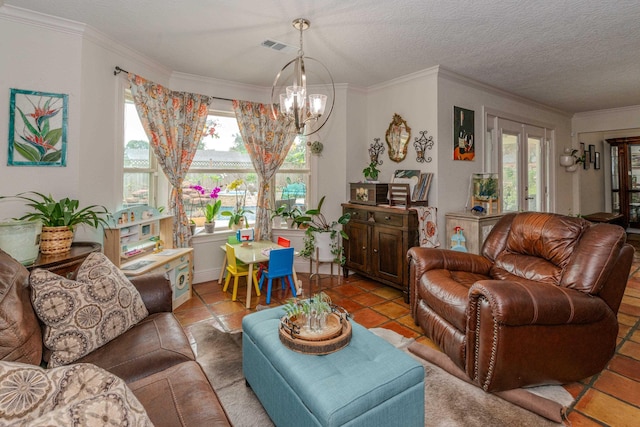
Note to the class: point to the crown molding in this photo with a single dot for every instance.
(459, 78)
(617, 110)
(86, 32)
(41, 20)
(404, 79)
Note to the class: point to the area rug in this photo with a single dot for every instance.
(449, 401)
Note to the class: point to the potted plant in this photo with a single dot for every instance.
(322, 235)
(310, 313)
(371, 172)
(59, 219)
(238, 218)
(290, 215)
(278, 214)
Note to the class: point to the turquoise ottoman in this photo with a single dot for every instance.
(367, 383)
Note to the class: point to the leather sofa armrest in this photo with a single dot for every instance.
(155, 290)
(422, 260)
(534, 303)
(521, 325)
(425, 259)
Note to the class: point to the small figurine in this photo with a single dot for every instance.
(458, 241)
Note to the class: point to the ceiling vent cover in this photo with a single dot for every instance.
(279, 46)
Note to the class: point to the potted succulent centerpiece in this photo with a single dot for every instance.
(310, 313)
(321, 235)
(59, 219)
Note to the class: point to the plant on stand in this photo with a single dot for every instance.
(59, 219)
(322, 234)
(238, 218)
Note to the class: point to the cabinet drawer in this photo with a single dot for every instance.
(356, 214)
(384, 218)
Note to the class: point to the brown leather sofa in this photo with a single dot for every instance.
(537, 307)
(154, 357)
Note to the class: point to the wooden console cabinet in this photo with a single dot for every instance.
(65, 264)
(379, 238)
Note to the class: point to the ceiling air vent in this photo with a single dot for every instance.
(279, 46)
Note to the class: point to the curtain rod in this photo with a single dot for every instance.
(117, 70)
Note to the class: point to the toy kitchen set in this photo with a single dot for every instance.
(140, 240)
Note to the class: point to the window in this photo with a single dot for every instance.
(139, 172)
(220, 159)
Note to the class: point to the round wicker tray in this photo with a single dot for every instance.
(336, 336)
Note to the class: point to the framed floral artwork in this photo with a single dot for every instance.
(37, 128)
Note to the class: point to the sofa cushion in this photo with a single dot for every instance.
(84, 314)
(20, 333)
(80, 394)
(180, 396)
(156, 343)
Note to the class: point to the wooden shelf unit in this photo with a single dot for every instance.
(126, 241)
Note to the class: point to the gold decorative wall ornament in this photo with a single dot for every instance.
(398, 136)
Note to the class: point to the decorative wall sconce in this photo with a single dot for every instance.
(375, 150)
(570, 160)
(421, 145)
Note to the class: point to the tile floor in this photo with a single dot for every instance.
(611, 398)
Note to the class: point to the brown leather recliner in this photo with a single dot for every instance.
(537, 307)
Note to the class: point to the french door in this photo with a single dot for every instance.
(522, 159)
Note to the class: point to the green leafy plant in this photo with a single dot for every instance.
(63, 212)
(578, 159)
(239, 213)
(211, 210)
(319, 303)
(371, 172)
(279, 211)
(315, 222)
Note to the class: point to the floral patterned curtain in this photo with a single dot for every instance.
(174, 122)
(268, 141)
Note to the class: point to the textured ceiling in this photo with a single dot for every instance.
(574, 55)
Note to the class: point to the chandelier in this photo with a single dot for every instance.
(308, 112)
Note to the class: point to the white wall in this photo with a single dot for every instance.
(426, 100)
(455, 90)
(593, 127)
(72, 59)
(53, 66)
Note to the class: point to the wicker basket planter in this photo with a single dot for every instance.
(56, 240)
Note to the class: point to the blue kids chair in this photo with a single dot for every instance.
(280, 266)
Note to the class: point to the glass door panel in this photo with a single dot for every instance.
(615, 174)
(534, 175)
(634, 169)
(510, 172)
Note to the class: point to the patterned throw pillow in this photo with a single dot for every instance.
(82, 315)
(81, 394)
